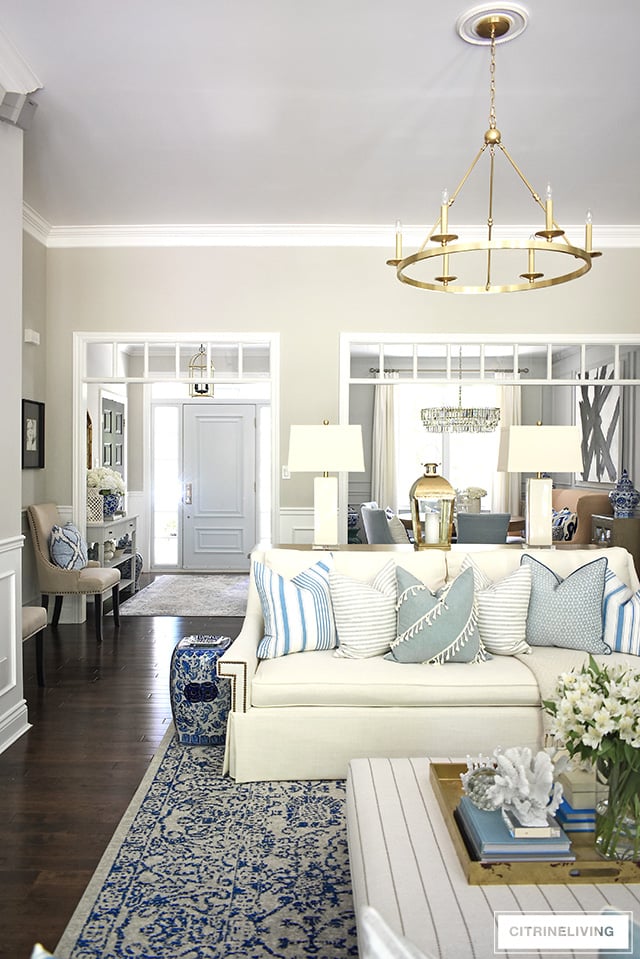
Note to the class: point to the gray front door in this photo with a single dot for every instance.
(219, 486)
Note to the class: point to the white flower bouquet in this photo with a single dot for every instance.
(596, 713)
(596, 716)
(105, 480)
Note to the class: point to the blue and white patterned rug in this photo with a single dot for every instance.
(204, 868)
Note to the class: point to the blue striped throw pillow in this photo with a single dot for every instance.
(621, 613)
(297, 612)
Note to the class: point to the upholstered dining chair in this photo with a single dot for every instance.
(482, 527)
(379, 529)
(376, 525)
(92, 580)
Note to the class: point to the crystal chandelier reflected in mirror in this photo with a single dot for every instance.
(460, 419)
(556, 256)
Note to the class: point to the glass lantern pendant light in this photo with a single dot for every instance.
(201, 373)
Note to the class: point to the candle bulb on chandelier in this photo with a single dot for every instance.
(398, 240)
(588, 228)
(531, 266)
(444, 211)
(548, 208)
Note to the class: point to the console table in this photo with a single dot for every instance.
(403, 863)
(614, 531)
(115, 529)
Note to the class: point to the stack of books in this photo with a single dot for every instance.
(489, 839)
(575, 820)
(576, 812)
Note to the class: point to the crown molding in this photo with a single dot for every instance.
(35, 225)
(282, 234)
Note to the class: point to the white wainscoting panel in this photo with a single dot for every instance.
(296, 525)
(13, 708)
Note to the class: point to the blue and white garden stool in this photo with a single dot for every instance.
(200, 701)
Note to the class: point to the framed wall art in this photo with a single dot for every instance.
(32, 435)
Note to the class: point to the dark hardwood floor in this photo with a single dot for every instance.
(66, 783)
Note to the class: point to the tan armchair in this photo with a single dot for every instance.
(93, 580)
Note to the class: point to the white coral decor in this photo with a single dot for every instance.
(105, 480)
(526, 783)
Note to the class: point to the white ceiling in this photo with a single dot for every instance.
(345, 112)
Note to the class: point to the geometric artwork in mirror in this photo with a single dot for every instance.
(599, 416)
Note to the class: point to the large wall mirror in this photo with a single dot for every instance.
(386, 383)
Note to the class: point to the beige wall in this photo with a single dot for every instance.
(10, 325)
(308, 296)
(34, 358)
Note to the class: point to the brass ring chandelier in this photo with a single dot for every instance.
(489, 26)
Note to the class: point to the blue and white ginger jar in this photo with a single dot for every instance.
(624, 498)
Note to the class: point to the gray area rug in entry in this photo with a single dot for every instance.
(215, 594)
(203, 868)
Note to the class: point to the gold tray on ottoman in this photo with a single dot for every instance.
(445, 780)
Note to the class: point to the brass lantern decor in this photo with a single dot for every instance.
(201, 374)
(432, 499)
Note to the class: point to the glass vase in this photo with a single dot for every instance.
(617, 832)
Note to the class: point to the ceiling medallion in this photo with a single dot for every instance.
(489, 25)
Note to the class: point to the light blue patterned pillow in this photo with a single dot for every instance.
(566, 612)
(436, 627)
(297, 612)
(621, 610)
(68, 547)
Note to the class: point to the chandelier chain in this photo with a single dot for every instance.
(492, 82)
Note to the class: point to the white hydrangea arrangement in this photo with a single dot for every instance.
(472, 492)
(105, 480)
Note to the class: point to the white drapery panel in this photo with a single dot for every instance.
(383, 448)
(506, 491)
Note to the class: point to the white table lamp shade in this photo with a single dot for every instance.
(540, 449)
(544, 449)
(325, 449)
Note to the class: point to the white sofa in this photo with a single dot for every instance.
(305, 715)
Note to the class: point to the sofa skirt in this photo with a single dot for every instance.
(309, 742)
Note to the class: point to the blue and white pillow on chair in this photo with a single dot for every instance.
(68, 547)
(564, 524)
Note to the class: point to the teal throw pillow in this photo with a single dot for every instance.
(68, 547)
(566, 612)
(297, 612)
(436, 627)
